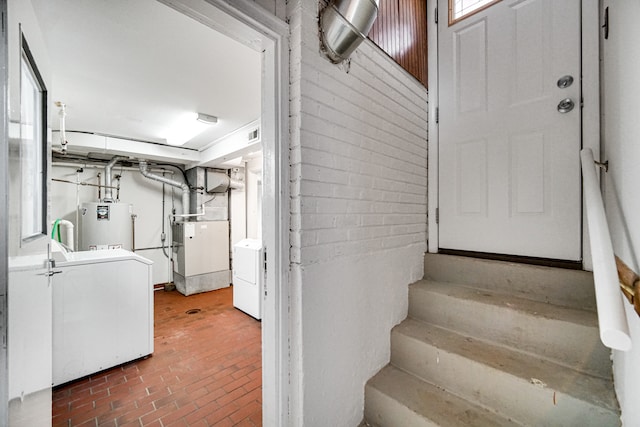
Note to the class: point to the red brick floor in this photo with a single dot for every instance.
(206, 370)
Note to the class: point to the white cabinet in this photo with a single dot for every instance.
(201, 256)
(201, 246)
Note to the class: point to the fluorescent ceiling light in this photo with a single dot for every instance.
(187, 127)
(207, 119)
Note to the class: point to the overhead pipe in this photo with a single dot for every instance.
(63, 136)
(344, 24)
(186, 196)
(108, 193)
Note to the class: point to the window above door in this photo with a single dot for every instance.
(460, 9)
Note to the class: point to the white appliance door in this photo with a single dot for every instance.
(246, 297)
(245, 263)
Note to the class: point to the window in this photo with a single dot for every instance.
(33, 147)
(460, 9)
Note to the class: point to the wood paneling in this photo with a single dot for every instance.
(401, 31)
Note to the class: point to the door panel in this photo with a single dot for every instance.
(471, 68)
(509, 172)
(528, 170)
(471, 160)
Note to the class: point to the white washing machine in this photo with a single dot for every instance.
(248, 277)
(102, 312)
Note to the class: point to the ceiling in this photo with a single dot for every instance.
(132, 68)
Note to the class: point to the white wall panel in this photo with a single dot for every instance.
(621, 126)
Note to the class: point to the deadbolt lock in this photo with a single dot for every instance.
(565, 81)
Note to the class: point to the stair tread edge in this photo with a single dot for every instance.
(437, 394)
(508, 301)
(522, 365)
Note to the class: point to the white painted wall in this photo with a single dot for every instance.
(145, 195)
(358, 217)
(254, 198)
(238, 211)
(621, 133)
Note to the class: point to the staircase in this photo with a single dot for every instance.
(491, 343)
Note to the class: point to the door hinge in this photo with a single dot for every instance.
(437, 115)
(436, 16)
(437, 215)
(264, 265)
(3, 321)
(605, 25)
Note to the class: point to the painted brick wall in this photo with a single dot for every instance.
(358, 216)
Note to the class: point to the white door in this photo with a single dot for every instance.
(509, 172)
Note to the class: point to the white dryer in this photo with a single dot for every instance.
(248, 277)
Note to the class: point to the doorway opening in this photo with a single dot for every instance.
(253, 27)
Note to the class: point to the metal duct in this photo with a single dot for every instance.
(218, 182)
(108, 191)
(186, 196)
(344, 24)
(236, 184)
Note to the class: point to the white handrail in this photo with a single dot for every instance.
(614, 330)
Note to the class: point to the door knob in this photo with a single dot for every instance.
(565, 105)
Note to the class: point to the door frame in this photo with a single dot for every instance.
(4, 217)
(590, 111)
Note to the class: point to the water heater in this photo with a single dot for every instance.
(105, 226)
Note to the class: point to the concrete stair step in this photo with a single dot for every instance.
(570, 288)
(565, 335)
(528, 389)
(395, 398)
(492, 343)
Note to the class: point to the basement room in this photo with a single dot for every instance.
(155, 276)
